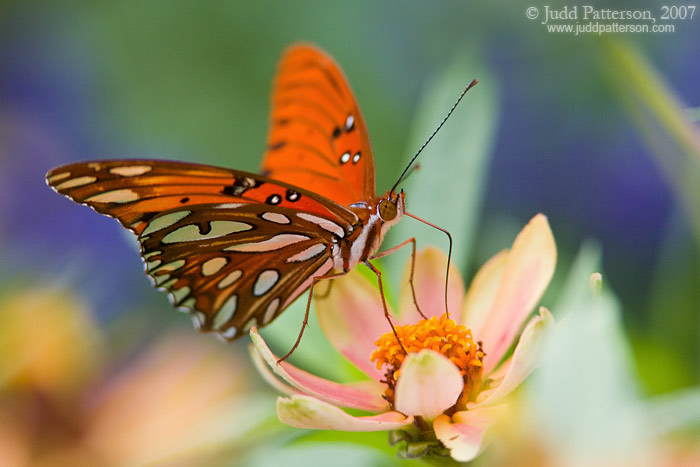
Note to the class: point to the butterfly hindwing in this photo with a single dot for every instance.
(318, 139)
(235, 266)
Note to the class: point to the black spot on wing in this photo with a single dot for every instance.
(240, 186)
(204, 228)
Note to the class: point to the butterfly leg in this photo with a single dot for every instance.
(386, 309)
(308, 307)
(412, 241)
(449, 250)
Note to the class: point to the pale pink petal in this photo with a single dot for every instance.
(530, 267)
(429, 282)
(307, 412)
(463, 435)
(352, 317)
(428, 385)
(343, 395)
(268, 375)
(482, 293)
(523, 360)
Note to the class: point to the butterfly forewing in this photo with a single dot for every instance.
(318, 139)
(198, 225)
(134, 191)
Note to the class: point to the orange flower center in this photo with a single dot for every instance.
(442, 335)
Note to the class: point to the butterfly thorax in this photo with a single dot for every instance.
(375, 218)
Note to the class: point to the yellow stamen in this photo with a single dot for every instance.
(442, 335)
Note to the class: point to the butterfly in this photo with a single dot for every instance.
(236, 248)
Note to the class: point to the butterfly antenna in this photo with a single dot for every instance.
(469, 86)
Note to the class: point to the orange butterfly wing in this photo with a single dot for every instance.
(318, 139)
(233, 248)
(134, 191)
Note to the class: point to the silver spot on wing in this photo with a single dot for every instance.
(265, 281)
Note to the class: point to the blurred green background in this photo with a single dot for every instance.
(598, 133)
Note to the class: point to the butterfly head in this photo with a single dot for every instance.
(391, 207)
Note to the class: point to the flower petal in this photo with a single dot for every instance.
(523, 360)
(463, 435)
(335, 393)
(268, 375)
(482, 292)
(429, 283)
(307, 412)
(530, 267)
(428, 385)
(352, 317)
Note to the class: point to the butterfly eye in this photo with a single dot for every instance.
(387, 210)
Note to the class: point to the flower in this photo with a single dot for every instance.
(448, 389)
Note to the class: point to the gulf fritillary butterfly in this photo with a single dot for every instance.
(235, 248)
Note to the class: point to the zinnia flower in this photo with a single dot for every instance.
(447, 389)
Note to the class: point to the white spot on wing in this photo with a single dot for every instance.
(164, 221)
(180, 294)
(270, 311)
(274, 243)
(325, 224)
(151, 253)
(131, 170)
(310, 252)
(190, 233)
(173, 266)
(124, 195)
(160, 278)
(265, 281)
(151, 265)
(228, 205)
(230, 278)
(230, 332)
(225, 312)
(276, 217)
(214, 265)
(188, 304)
(79, 181)
(198, 319)
(169, 284)
(58, 177)
(349, 122)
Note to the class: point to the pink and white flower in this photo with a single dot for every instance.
(447, 389)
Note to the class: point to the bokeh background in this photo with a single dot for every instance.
(598, 133)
